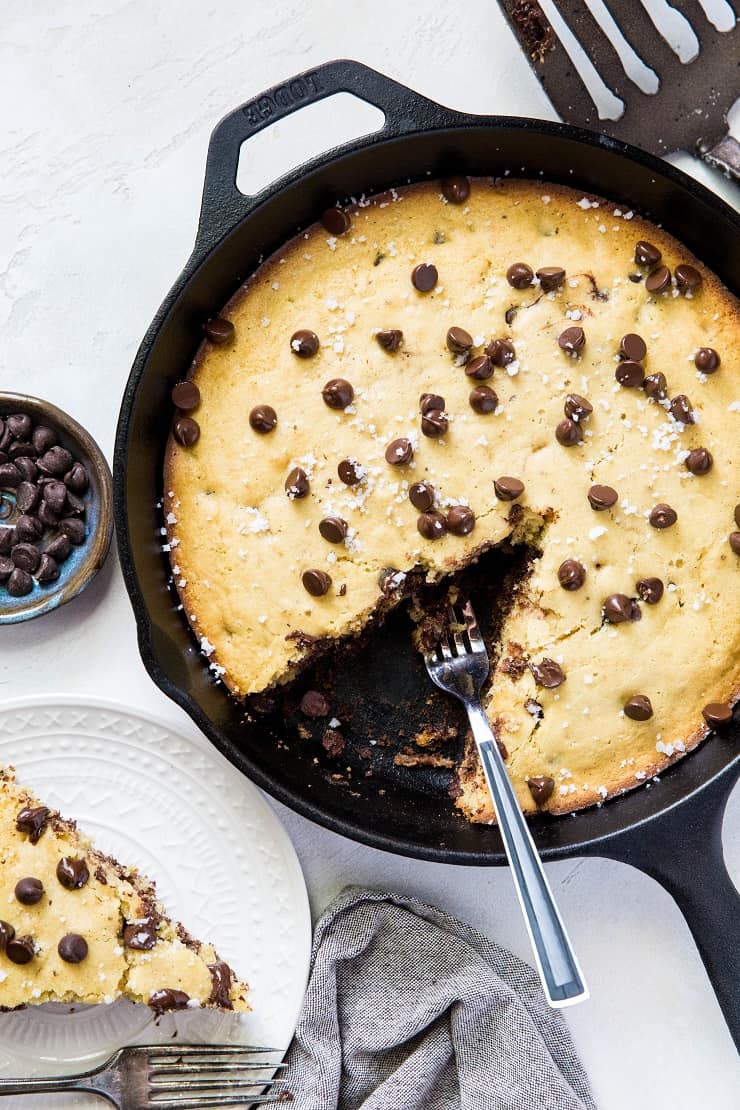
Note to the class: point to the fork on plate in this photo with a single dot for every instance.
(170, 1077)
(459, 666)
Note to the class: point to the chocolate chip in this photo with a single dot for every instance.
(55, 462)
(571, 574)
(483, 400)
(699, 461)
(186, 431)
(55, 496)
(547, 673)
(10, 476)
(646, 254)
(186, 396)
(20, 583)
(28, 529)
(688, 278)
(681, 410)
(707, 360)
(424, 277)
(455, 189)
(296, 484)
(29, 891)
(541, 788)
(19, 425)
(630, 374)
(460, 520)
(390, 339)
(501, 352)
(33, 820)
(658, 280)
(428, 402)
(389, 580)
(220, 995)
(314, 704)
(421, 496)
(304, 343)
(7, 932)
(167, 999)
(602, 497)
(338, 393)
(459, 341)
(633, 347)
(47, 517)
(572, 341)
(21, 950)
(638, 708)
(432, 525)
(635, 278)
(22, 450)
(577, 407)
(551, 278)
(336, 221)
(480, 368)
(656, 386)
(74, 530)
(140, 935)
(27, 497)
(72, 873)
(717, 714)
(619, 608)
(333, 529)
(434, 424)
(399, 452)
(43, 438)
(662, 516)
(7, 566)
(27, 469)
(519, 275)
(316, 582)
(508, 489)
(350, 472)
(59, 549)
(263, 418)
(650, 590)
(568, 433)
(734, 542)
(219, 330)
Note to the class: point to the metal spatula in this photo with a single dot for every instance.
(688, 110)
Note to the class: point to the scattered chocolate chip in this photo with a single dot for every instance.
(501, 352)
(22, 450)
(72, 873)
(167, 999)
(219, 330)
(20, 950)
(619, 608)
(551, 278)
(316, 582)
(429, 402)
(338, 393)
(47, 517)
(649, 590)
(33, 820)
(59, 549)
(304, 343)
(638, 708)
(547, 673)
(577, 407)
(519, 275)
(460, 520)
(681, 410)
(27, 497)
(28, 529)
(314, 704)
(434, 423)
(27, 469)
(19, 425)
(220, 995)
(390, 339)
(656, 386)
(350, 472)
(432, 525)
(10, 476)
(333, 529)
(658, 280)
(688, 278)
(707, 360)
(19, 583)
(186, 431)
(646, 254)
(699, 461)
(29, 891)
(140, 935)
(568, 433)
(483, 400)
(336, 221)
(74, 530)
(508, 489)
(459, 341)
(55, 496)
(263, 418)
(55, 462)
(185, 396)
(602, 497)
(633, 347)
(421, 496)
(7, 932)
(76, 479)
(8, 540)
(734, 542)
(390, 579)
(7, 566)
(635, 278)
(630, 374)
(43, 438)
(662, 516)
(399, 452)
(296, 484)
(572, 340)
(424, 277)
(717, 713)
(571, 574)
(541, 788)
(480, 368)
(455, 189)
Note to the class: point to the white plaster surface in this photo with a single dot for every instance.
(106, 113)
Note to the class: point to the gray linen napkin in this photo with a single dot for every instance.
(409, 1009)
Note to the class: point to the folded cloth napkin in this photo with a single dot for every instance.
(409, 1009)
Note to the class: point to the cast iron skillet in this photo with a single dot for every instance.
(671, 829)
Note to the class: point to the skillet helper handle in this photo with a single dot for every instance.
(223, 205)
(723, 155)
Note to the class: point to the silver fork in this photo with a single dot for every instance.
(459, 666)
(169, 1077)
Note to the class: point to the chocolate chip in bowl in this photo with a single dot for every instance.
(55, 508)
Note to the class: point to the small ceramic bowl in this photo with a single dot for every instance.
(84, 561)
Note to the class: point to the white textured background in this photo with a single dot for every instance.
(106, 112)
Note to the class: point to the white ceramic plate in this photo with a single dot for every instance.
(223, 864)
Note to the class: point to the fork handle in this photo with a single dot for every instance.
(34, 1086)
(561, 976)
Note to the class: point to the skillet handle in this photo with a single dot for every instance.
(223, 205)
(682, 849)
